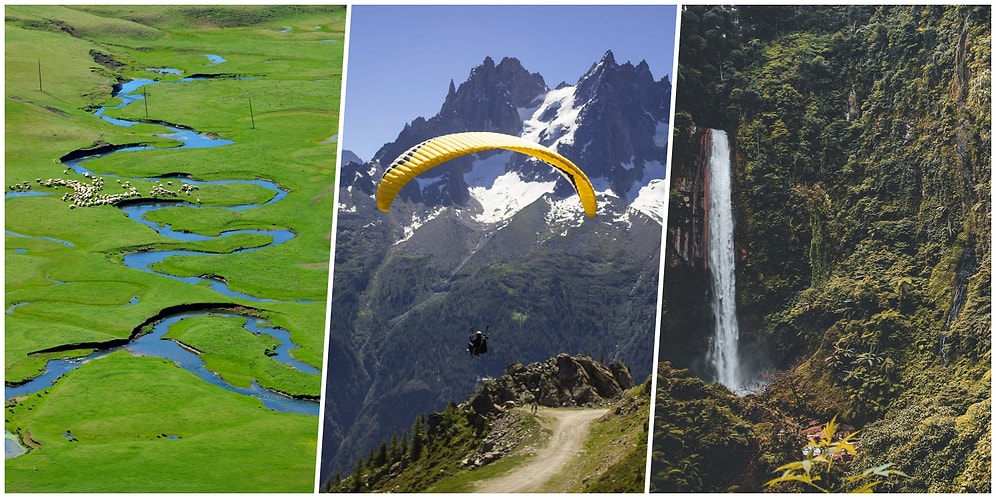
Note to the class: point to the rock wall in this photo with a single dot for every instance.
(564, 381)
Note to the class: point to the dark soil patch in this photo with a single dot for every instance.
(106, 60)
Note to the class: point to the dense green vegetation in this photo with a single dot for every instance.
(701, 440)
(61, 64)
(826, 453)
(418, 459)
(863, 187)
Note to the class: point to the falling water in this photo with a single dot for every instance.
(723, 354)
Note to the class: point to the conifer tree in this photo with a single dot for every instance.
(418, 436)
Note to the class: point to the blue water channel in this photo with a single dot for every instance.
(152, 344)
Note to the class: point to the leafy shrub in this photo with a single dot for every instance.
(826, 457)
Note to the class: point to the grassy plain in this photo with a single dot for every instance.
(74, 289)
(121, 410)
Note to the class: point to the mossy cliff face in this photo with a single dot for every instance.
(701, 444)
(864, 220)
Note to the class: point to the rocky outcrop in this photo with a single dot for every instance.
(688, 210)
(564, 381)
(504, 435)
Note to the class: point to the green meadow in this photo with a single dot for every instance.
(141, 423)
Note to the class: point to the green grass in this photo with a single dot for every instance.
(120, 406)
(82, 292)
(306, 323)
(238, 355)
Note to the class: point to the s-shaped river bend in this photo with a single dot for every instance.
(152, 344)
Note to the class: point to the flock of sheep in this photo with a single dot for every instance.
(88, 194)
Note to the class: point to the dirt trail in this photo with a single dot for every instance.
(570, 428)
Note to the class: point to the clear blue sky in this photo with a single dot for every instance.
(401, 58)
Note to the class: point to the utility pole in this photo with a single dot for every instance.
(251, 116)
(39, 76)
(145, 98)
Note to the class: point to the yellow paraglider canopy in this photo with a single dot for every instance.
(436, 151)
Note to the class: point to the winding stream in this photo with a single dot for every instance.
(153, 344)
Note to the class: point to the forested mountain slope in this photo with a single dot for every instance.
(862, 141)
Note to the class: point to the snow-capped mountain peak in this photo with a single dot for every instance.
(554, 121)
(612, 123)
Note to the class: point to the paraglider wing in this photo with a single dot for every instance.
(436, 151)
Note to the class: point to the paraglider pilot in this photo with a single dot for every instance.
(478, 344)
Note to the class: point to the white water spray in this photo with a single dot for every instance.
(723, 352)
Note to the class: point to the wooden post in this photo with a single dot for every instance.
(145, 98)
(39, 76)
(251, 116)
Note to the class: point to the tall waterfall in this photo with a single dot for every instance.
(723, 352)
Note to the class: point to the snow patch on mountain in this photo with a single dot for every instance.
(650, 194)
(652, 170)
(561, 128)
(418, 221)
(484, 172)
(508, 194)
(662, 131)
(652, 200)
(565, 212)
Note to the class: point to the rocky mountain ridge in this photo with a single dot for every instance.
(613, 123)
(563, 381)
